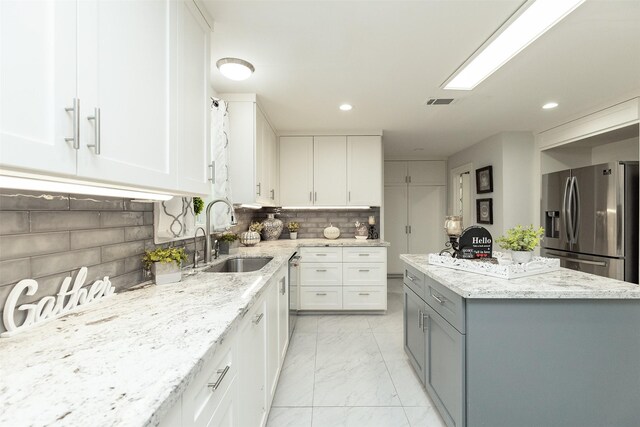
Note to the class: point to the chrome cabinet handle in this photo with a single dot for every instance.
(75, 109)
(259, 189)
(258, 318)
(364, 293)
(214, 386)
(579, 261)
(320, 270)
(363, 271)
(321, 254)
(311, 196)
(96, 130)
(349, 196)
(315, 196)
(273, 194)
(420, 319)
(212, 168)
(283, 289)
(410, 277)
(409, 229)
(425, 325)
(441, 301)
(364, 254)
(320, 293)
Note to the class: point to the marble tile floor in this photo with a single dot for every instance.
(351, 371)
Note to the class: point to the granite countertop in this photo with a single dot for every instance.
(560, 284)
(125, 361)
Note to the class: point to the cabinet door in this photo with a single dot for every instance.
(395, 172)
(330, 170)
(226, 414)
(268, 162)
(283, 316)
(414, 338)
(296, 170)
(262, 184)
(37, 83)
(444, 374)
(395, 230)
(273, 353)
(426, 218)
(364, 171)
(127, 70)
(427, 172)
(194, 153)
(252, 369)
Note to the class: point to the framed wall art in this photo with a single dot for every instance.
(484, 180)
(484, 211)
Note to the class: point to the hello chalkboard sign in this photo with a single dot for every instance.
(475, 242)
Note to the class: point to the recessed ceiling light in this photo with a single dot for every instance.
(550, 105)
(235, 69)
(346, 107)
(539, 17)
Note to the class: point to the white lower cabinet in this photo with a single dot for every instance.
(352, 278)
(236, 387)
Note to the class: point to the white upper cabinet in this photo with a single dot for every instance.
(127, 81)
(395, 172)
(193, 145)
(427, 172)
(296, 170)
(330, 170)
(37, 83)
(364, 171)
(136, 72)
(252, 152)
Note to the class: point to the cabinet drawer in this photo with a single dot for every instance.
(321, 274)
(414, 280)
(321, 298)
(446, 302)
(364, 274)
(323, 254)
(364, 298)
(203, 396)
(364, 254)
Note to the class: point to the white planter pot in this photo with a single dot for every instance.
(293, 235)
(521, 257)
(164, 273)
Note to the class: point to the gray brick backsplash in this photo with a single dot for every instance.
(95, 203)
(14, 222)
(13, 271)
(127, 280)
(130, 205)
(138, 233)
(94, 238)
(65, 261)
(132, 264)
(122, 250)
(122, 219)
(58, 221)
(48, 285)
(25, 245)
(98, 272)
(147, 219)
(18, 200)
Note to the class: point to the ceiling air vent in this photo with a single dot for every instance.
(439, 101)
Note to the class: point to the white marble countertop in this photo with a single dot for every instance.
(127, 359)
(560, 284)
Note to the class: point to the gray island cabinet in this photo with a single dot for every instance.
(556, 349)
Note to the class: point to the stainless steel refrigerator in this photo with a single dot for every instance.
(590, 216)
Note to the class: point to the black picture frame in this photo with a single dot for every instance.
(484, 180)
(484, 211)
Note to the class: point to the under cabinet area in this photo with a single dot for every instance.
(106, 98)
(350, 278)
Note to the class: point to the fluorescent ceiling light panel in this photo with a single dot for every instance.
(18, 183)
(531, 24)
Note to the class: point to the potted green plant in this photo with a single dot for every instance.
(198, 205)
(226, 241)
(293, 230)
(521, 241)
(251, 237)
(165, 264)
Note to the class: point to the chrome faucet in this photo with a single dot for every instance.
(208, 231)
(195, 245)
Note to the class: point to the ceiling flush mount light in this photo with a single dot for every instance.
(539, 16)
(235, 68)
(549, 105)
(18, 183)
(346, 107)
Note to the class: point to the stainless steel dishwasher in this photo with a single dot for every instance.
(294, 277)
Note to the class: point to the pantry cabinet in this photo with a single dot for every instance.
(121, 97)
(330, 170)
(253, 153)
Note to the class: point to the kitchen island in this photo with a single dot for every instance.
(555, 349)
(128, 359)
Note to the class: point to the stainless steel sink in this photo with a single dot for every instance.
(239, 265)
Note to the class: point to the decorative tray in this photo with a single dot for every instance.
(503, 269)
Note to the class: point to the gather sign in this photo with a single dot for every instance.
(51, 307)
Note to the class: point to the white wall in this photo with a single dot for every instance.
(511, 154)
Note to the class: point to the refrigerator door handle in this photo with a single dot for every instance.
(579, 261)
(576, 221)
(565, 208)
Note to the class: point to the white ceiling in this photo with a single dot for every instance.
(387, 57)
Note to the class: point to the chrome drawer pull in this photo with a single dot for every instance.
(363, 271)
(425, 325)
(222, 372)
(320, 271)
(320, 293)
(363, 254)
(96, 119)
(321, 254)
(364, 293)
(75, 139)
(258, 318)
(420, 319)
(441, 301)
(413, 279)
